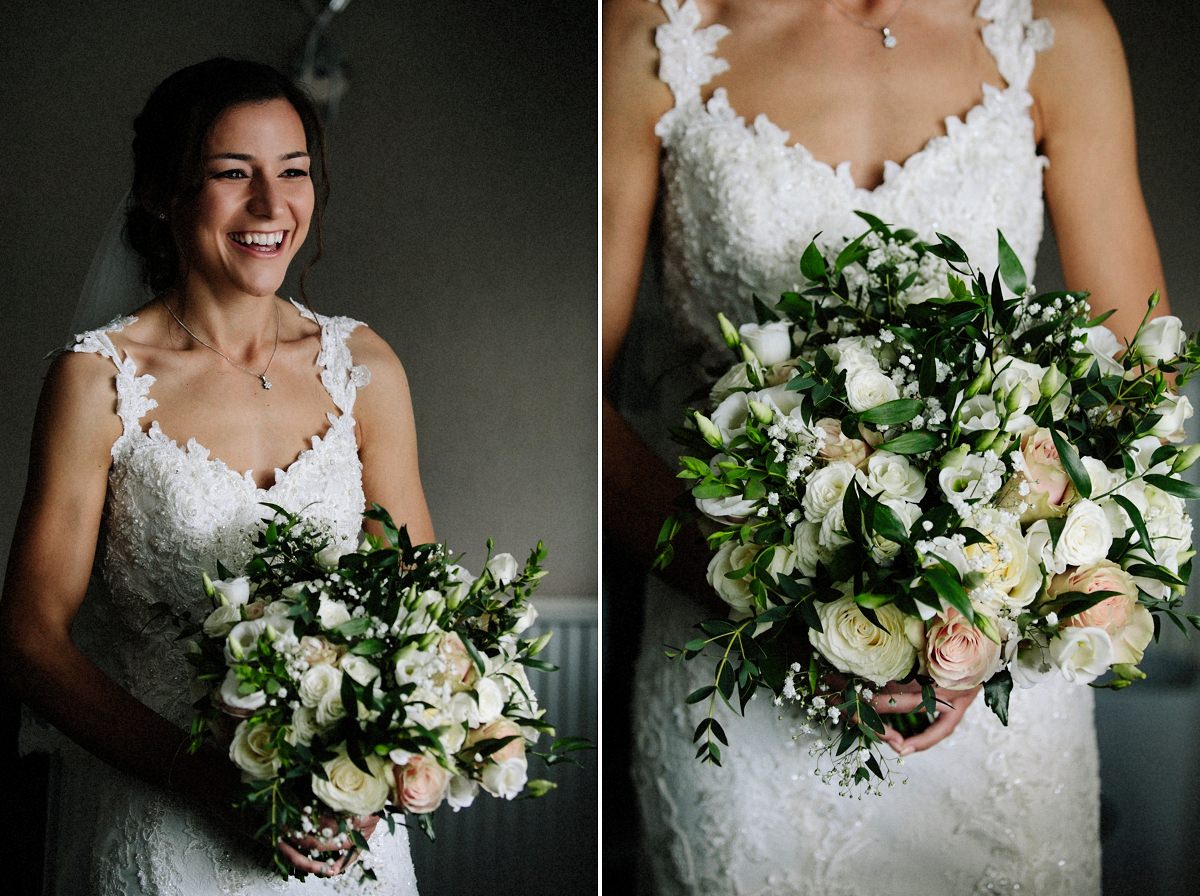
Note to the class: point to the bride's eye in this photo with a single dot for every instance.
(295, 172)
(230, 174)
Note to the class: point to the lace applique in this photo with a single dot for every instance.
(1014, 37)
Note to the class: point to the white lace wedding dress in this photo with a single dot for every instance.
(990, 809)
(171, 512)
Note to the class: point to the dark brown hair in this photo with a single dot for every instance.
(168, 158)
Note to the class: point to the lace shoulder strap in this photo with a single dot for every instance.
(341, 377)
(133, 391)
(1014, 37)
(687, 59)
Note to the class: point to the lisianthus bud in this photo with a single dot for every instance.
(1185, 458)
(1053, 381)
(983, 379)
(728, 332)
(762, 412)
(708, 430)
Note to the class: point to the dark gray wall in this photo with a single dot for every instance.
(462, 225)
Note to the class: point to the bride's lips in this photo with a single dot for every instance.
(252, 242)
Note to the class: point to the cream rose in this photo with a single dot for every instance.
(1129, 625)
(420, 784)
(458, 670)
(1086, 535)
(730, 509)
(735, 592)
(251, 751)
(489, 702)
(359, 669)
(958, 656)
(349, 789)
(317, 682)
(504, 779)
(824, 490)
(892, 476)
(222, 620)
(332, 613)
(853, 644)
(807, 548)
(868, 387)
(330, 709)
(316, 651)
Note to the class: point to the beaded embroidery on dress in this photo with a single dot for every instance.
(171, 512)
(990, 809)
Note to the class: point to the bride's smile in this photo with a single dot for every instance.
(255, 203)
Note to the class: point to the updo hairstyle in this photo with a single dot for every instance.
(168, 154)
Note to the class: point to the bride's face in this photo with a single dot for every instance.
(253, 210)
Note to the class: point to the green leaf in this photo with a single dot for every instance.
(1135, 517)
(812, 263)
(1011, 269)
(950, 590)
(369, 647)
(354, 627)
(901, 410)
(1075, 469)
(997, 690)
(699, 694)
(916, 442)
(872, 600)
(1172, 486)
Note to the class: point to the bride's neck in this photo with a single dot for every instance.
(238, 322)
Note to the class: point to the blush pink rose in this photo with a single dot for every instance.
(420, 784)
(958, 656)
(1127, 622)
(1050, 489)
(838, 446)
(460, 672)
(501, 728)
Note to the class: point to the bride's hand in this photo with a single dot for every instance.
(902, 698)
(296, 849)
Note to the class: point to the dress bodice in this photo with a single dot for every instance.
(173, 512)
(741, 202)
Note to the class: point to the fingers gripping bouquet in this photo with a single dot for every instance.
(915, 474)
(379, 680)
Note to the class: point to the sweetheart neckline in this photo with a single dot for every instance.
(718, 109)
(193, 450)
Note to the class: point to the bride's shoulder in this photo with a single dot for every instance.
(1085, 66)
(1078, 24)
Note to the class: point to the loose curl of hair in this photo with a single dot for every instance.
(168, 154)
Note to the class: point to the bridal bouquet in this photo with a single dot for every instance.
(379, 680)
(915, 474)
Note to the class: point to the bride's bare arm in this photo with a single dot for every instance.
(1084, 107)
(388, 437)
(638, 487)
(48, 570)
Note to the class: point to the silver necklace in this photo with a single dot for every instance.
(889, 39)
(262, 377)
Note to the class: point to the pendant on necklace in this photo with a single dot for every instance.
(889, 39)
(266, 383)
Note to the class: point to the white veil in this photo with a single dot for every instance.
(113, 285)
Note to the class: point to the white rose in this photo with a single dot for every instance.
(1102, 344)
(251, 751)
(240, 704)
(1175, 409)
(1086, 535)
(505, 779)
(1161, 339)
(1081, 655)
(1101, 476)
(806, 547)
(489, 702)
(359, 669)
(893, 476)
(883, 550)
(867, 388)
(317, 682)
(330, 709)
(350, 790)
(328, 557)
(824, 490)
(304, 725)
(771, 342)
(735, 592)
(461, 792)
(852, 353)
(853, 644)
(221, 620)
(332, 613)
(832, 534)
(503, 568)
